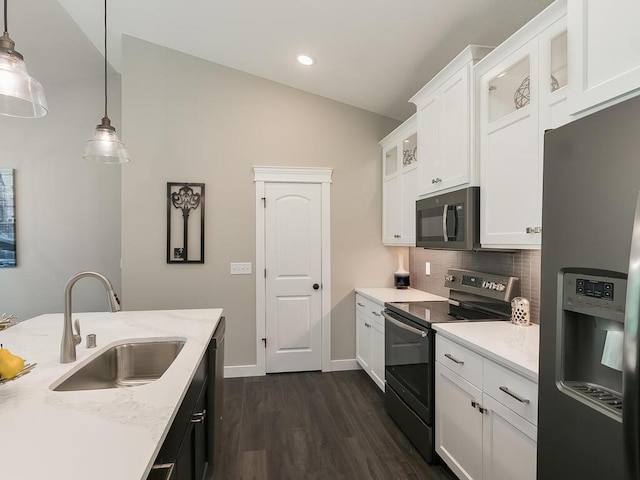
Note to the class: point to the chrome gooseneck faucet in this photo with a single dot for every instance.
(69, 339)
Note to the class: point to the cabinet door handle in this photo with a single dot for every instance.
(360, 304)
(453, 359)
(199, 417)
(511, 394)
(474, 404)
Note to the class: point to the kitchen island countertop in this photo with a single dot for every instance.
(99, 434)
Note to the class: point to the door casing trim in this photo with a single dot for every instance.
(320, 175)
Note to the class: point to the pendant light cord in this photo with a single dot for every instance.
(105, 55)
(6, 29)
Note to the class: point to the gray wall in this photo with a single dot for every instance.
(190, 120)
(67, 210)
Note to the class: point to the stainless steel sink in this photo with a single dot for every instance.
(124, 365)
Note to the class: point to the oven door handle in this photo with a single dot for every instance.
(404, 326)
(444, 223)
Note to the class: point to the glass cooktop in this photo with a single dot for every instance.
(427, 313)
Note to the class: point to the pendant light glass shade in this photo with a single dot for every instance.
(20, 94)
(105, 146)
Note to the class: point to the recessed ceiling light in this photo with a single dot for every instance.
(305, 59)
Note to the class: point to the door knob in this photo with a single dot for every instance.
(316, 286)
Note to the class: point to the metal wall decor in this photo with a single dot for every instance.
(7, 219)
(185, 222)
(409, 156)
(522, 96)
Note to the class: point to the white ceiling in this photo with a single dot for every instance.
(372, 54)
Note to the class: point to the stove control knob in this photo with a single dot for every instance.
(492, 286)
(485, 284)
(501, 287)
(449, 278)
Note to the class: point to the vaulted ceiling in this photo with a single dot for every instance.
(372, 54)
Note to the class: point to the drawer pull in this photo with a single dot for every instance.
(360, 304)
(511, 394)
(199, 417)
(453, 359)
(376, 313)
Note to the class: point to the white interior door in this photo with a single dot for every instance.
(293, 261)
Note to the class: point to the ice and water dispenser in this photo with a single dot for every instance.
(590, 336)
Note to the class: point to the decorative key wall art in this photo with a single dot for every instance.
(7, 219)
(185, 222)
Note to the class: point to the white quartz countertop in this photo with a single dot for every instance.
(97, 434)
(382, 295)
(513, 346)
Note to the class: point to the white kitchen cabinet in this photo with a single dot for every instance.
(523, 92)
(508, 443)
(370, 338)
(445, 123)
(486, 416)
(399, 169)
(603, 52)
(458, 425)
(363, 340)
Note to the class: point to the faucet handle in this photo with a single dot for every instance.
(77, 338)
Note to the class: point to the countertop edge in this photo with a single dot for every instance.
(399, 295)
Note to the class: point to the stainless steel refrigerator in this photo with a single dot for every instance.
(588, 418)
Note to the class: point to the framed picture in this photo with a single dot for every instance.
(7, 219)
(185, 222)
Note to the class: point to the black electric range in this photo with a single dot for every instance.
(410, 346)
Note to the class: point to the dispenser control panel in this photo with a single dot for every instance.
(594, 288)
(596, 295)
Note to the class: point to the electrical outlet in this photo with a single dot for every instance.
(427, 268)
(240, 268)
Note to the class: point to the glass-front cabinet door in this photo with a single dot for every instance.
(510, 166)
(510, 89)
(391, 161)
(399, 185)
(554, 71)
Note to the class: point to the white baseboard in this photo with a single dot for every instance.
(342, 365)
(235, 371)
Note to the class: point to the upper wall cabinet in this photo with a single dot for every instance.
(522, 91)
(399, 168)
(445, 109)
(604, 53)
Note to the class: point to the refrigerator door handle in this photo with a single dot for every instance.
(631, 362)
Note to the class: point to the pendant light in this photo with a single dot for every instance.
(105, 146)
(20, 94)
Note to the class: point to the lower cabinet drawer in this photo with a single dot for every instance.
(512, 390)
(460, 360)
(369, 308)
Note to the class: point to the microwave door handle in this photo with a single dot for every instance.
(631, 355)
(404, 326)
(444, 223)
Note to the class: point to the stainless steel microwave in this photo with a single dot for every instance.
(449, 221)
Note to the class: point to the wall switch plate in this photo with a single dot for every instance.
(240, 268)
(427, 268)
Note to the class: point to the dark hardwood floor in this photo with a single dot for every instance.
(295, 426)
